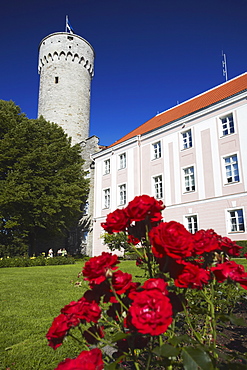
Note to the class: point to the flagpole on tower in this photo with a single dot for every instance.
(66, 22)
(68, 27)
(224, 65)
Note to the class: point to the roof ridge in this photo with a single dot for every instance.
(201, 94)
(192, 105)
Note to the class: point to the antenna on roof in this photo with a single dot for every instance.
(224, 65)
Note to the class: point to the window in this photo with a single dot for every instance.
(122, 161)
(186, 139)
(107, 166)
(191, 223)
(189, 179)
(236, 221)
(231, 169)
(227, 124)
(85, 236)
(158, 187)
(106, 200)
(85, 209)
(122, 194)
(156, 150)
(56, 80)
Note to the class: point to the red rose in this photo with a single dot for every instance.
(150, 313)
(116, 221)
(121, 281)
(144, 206)
(83, 309)
(70, 311)
(133, 240)
(242, 281)
(230, 247)
(192, 276)
(58, 330)
(88, 310)
(172, 239)
(87, 360)
(205, 241)
(96, 269)
(229, 269)
(159, 284)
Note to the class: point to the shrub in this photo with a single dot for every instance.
(35, 261)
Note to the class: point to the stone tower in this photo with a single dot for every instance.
(66, 63)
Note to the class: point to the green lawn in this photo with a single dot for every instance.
(30, 298)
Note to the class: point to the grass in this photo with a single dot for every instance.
(30, 298)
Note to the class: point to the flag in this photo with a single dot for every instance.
(69, 28)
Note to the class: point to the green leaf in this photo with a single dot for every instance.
(166, 350)
(180, 338)
(223, 318)
(194, 358)
(119, 336)
(112, 366)
(237, 320)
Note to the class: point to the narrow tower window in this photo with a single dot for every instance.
(56, 80)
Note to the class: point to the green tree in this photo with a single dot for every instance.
(42, 184)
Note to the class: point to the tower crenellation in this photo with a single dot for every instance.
(66, 68)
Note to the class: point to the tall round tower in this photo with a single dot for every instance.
(66, 64)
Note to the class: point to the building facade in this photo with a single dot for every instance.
(192, 157)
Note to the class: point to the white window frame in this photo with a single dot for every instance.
(191, 229)
(231, 214)
(122, 161)
(186, 141)
(106, 198)
(107, 166)
(156, 150)
(225, 127)
(228, 173)
(189, 179)
(122, 194)
(158, 190)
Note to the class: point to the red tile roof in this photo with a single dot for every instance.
(210, 97)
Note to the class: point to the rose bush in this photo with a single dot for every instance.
(170, 321)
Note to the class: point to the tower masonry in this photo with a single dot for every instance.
(66, 64)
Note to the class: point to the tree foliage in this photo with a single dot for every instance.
(116, 241)
(42, 184)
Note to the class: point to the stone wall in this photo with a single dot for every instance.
(66, 64)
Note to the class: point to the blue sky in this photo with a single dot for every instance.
(150, 54)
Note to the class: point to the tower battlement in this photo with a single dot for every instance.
(54, 48)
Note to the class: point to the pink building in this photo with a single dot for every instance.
(193, 157)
